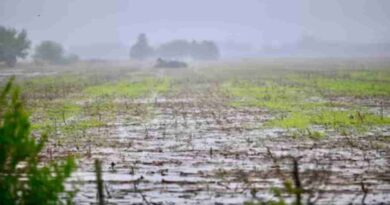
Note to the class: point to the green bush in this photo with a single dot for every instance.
(23, 179)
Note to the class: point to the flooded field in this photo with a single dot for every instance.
(252, 132)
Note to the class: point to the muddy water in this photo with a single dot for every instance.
(200, 151)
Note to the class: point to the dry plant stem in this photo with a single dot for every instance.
(99, 182)
(297, 182)
(140, 192)
(365, 192)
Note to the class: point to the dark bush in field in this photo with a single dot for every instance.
(23, 180)
(13, 45)
(169, 64)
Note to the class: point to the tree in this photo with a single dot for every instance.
(175, 49)
(49, 51)
(204, 50)
(13, 45)
(141, 49)
(23, 180)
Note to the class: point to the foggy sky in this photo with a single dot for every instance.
(250, 22)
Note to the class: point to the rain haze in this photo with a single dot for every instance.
(240, 28)
(211, 102)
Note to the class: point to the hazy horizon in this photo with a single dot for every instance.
(248, 25)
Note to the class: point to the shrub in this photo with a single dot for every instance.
(23, 180)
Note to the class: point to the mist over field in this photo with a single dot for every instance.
(251, 28)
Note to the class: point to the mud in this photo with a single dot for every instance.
(198, 150)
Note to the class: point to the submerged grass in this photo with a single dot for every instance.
(93, 105)
(300, 101)
(351, 87)
(270, 95)
(330, 119)
(129, 89)
(296, 98)
(359, 83)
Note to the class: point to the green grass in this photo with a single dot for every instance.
(352, 87)
(54, 86)
(269, 95)
(95, 107)
(349, 83)
(330, 119)
(292, 105)
(297, 97)
(129, 89)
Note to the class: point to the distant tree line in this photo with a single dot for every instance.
(14, 45)
(176, 49)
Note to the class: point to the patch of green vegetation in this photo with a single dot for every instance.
(43, 126)
(80, 126)
(63, 110)
(129, 89)
(350, 83)
(293, 120)
(279, 195)
(300, 106)
(50, 87)
(367, 75)
(352, 87)
(269, 95)
(336, 119)
(63, 114)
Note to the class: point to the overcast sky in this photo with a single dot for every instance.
(258, 22)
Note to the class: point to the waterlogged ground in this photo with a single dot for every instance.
(193, 152)
(223, 135)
